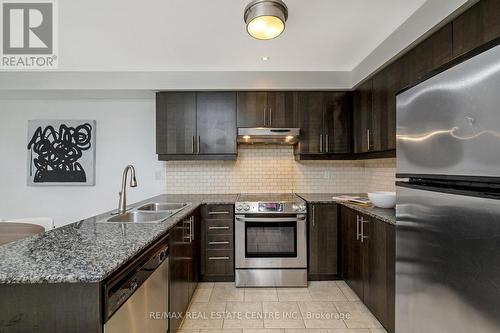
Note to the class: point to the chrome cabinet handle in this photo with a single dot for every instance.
(362, 235)
(198, 145)
(327, 143)
(313, 216)
(265, 117)
(357, 227)
(270, 117)
(321, 143)
(219, 243)
(192, 228)
(192, 144)
(218, 228)
(368, 138)
(218, 258)
(219, 213)
(269, 219)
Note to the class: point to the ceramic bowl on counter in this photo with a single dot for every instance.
(383, 199)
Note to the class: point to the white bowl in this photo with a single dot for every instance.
(383, 199)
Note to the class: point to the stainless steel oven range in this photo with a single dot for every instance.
(271, 240)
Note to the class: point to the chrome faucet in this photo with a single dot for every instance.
(122, 205)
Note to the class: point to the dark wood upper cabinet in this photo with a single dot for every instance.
(386, 85)
(175, 122)
(323, 242)
(216, 122)
(362, 118)
(311, 122)
(252, 109)
(282, 109)
(477, 26)
(267, 109)
(325, 122)
(337, 122)
(196, 125)
(428, 55)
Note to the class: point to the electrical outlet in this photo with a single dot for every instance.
(159, 175)
(327, 174)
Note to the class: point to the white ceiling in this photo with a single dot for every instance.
(321, 35)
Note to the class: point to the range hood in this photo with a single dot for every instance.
(266, 135)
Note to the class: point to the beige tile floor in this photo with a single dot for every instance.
(323, 307)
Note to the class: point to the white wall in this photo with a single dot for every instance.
(125, 134)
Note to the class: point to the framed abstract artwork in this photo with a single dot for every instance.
(61, 152)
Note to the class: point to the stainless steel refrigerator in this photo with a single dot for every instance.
(448, 201)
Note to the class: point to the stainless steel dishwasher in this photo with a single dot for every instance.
(136, 298)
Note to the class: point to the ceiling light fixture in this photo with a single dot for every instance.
(265, 58)
(265, 19)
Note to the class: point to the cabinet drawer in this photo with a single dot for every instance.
(219, 262)
(219, 242)
(212, 212)
(219, 226)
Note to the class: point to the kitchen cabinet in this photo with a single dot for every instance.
(385, 86)
(175, 123)
(362, 121)
(323, 242)
(325, 123)
(477, 26)
(196, 125)
(217, 243)
(368, 262)
(183, 254)
(267, 109)
(428, 55)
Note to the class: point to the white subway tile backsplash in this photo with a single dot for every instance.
(273, 169)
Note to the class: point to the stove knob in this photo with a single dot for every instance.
(295, 207)
(239, 207)
(246, 207)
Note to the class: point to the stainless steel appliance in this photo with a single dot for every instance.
(448, 201)
(271, 240)
(288, 136)
(136, 299)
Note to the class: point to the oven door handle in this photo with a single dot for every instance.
(270, 219)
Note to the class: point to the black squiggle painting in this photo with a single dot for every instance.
(57, 152)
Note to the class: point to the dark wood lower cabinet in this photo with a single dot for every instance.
(183, 256)
(323, 242)
(368, 263)
(217, 243)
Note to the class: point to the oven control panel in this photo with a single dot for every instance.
(265, 207)
(270, 207)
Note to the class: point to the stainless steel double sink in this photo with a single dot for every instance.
(153, 212)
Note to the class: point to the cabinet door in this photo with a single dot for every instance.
(216, 122)
(352, 251)
(175, 122)
(430, 54)
(252, 109)
(385, 86)
(311, 107)
(379, 283)
(337, 126)
(282, 109)
(179, 273)
(362, 122)
(323, 242)
(477, 26)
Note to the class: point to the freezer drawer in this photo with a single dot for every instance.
(450, 124)
(447, 255)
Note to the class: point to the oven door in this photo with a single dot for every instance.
(271, 241)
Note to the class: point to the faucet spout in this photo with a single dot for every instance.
(122, 205)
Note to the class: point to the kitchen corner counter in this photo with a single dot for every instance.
(87, 251)
(386, 215)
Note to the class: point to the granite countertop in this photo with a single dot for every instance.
(386, 215)
(87, 251)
